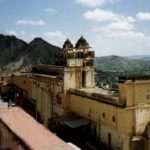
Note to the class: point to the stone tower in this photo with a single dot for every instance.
(78, 64)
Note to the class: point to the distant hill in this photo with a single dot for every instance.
(17, 55)
(121, 64)
(141, 57)
(109, 68)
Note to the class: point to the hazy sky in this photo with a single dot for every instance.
(119, 27)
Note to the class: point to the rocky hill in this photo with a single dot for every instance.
(40, 51)
(17, 55)
(11, 49)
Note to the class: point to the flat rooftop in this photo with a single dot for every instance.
(30, 132)
(100, 95)
(97, 90)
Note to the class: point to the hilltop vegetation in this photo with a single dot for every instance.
(121, 64)
(110, 67)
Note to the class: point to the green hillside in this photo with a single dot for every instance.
(122, 64)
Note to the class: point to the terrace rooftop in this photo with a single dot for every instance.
(29, 131)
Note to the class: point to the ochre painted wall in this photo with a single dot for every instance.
(119, 122)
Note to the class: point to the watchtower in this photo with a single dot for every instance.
(78, 64)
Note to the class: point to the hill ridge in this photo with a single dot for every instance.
(16, 54)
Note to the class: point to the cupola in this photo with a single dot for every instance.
(82, 43)
(68, 44)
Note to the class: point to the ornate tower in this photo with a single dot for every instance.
(78, 64)
(84, 52)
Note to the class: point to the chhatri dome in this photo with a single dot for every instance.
(68, 44)
(82, 43)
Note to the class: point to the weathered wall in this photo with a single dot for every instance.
(43, 100)
(122, 92)
(48, 95)
(45, 92)
(4, 81)
(142, 92)
(72, 77)
(142, 116)
(4, 89)
(130, 93)
(6, 78)
(89, 77)
(109, 119)
(135, 93)
(24, 82)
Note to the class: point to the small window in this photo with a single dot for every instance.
(147, 97)
(62, 90)
(90, 110)
(59, 99)
(2, 78)
(113, 119)
(103, 115)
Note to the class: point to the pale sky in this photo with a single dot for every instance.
(112, 27)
